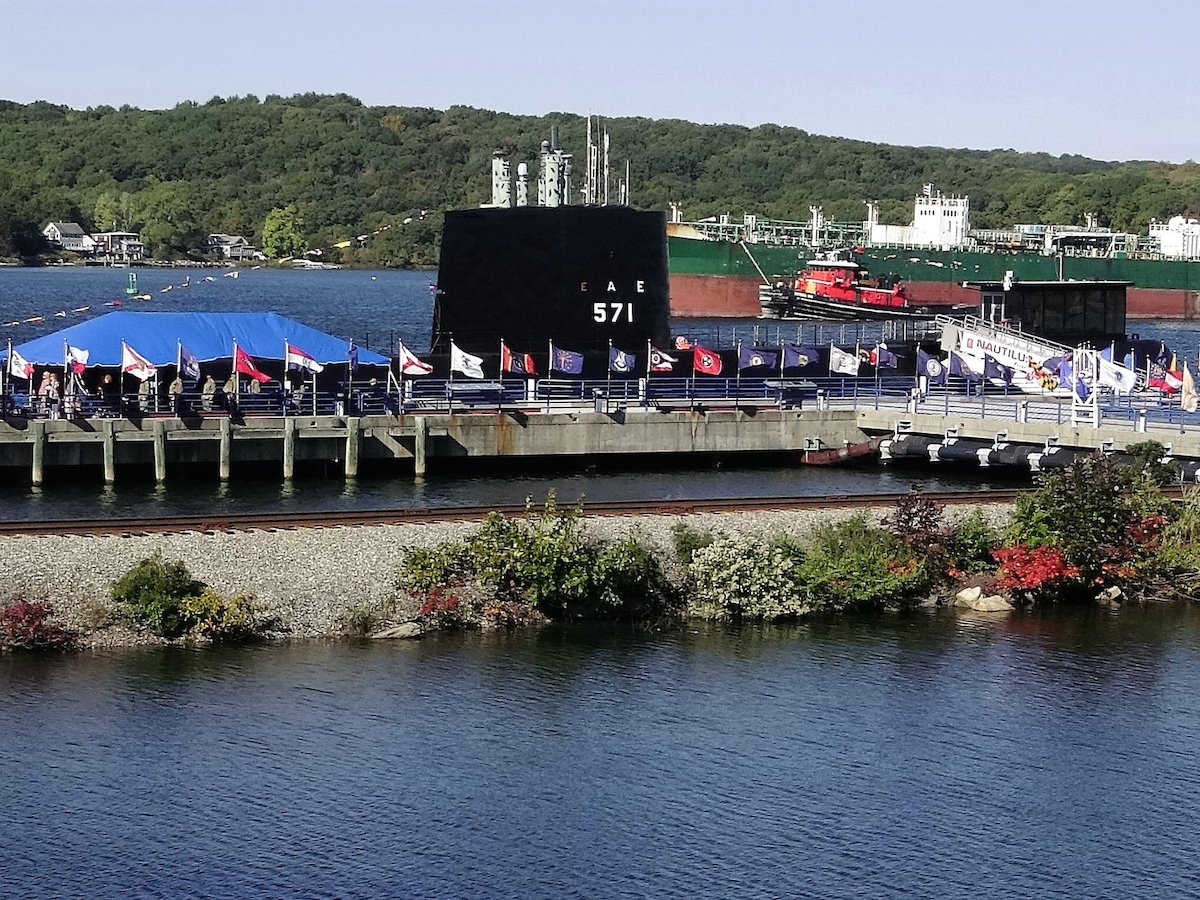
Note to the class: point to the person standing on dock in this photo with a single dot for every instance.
(175, 392)
(207, 394)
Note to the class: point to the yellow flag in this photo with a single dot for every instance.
(1188, 398)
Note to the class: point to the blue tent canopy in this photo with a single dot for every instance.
(209, 336)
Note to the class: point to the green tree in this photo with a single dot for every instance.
(282, 233)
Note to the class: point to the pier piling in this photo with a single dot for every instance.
(39, 451)
(110, 452)
(226, 451)
(289, 447)
(353, 430)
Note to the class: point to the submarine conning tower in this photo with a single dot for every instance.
(581, 275)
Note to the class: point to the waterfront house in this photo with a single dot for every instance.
(230, 246)
(119, 246)
(69, 236)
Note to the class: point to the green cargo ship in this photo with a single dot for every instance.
(716, 268)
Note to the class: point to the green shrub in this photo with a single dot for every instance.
(220, 619)
(855, 566)
(164, 597)
(748, 578)
(1149, 458)
(155, 592)
(970, 543)
(630, 584)
(360, 621)
(688, 540)
(849, 565)
(1174, 570)
(1087, 510)
(541, 562)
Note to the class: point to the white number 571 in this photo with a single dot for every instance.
(612, 312)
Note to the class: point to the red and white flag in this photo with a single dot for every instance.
(706, 361)
(295, 358)
(77, 359)
(660, 361)
(520, 363)
(410, 365)
(244, 364)
(19, 366)
(133, 363)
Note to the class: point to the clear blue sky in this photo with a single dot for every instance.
(1106, 79)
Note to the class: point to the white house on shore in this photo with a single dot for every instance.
(69, 236)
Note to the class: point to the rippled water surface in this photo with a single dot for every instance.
(918, 757)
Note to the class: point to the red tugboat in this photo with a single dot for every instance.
(832, 290)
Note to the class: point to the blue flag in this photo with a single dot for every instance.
(1068, 376)
(931, 367)
(352, 357)
(961, 369)
(992, 368)
(753, 358)
(189, 365)
(621, 362)
(798, 357)
(566, 361)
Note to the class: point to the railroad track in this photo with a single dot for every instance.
(268, 521)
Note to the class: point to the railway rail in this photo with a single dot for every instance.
(276, 521)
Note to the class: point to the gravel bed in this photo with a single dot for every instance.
(309, 578)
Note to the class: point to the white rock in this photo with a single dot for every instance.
(972, 598)
(398, 632)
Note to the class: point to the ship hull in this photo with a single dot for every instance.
(713, 279)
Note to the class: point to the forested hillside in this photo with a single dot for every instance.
(323, 169)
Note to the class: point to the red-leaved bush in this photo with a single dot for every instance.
(26, 625)
(1031, 568)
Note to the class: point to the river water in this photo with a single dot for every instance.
(930, 756)
(925, 756)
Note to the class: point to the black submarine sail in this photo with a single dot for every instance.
(580, 276)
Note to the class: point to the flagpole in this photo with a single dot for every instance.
(608, 374)
(649, 353)
(501, 362)
(400, 380)
(831, 359)
(234, 374)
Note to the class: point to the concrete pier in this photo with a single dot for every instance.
(415, 443)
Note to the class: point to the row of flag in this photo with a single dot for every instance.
(75, 359)
(621, 362)
(1076, 374)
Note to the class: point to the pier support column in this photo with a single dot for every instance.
(38, 429)
(289, 447)
(160, 451)
(420, 444)
(353, 433)
(226, 451)
(110, 452)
